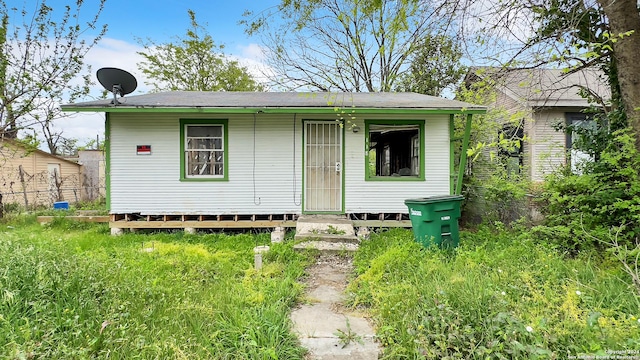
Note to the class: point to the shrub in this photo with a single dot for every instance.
(605, 196)
(499, 197)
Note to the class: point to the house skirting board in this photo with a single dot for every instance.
(246, 221)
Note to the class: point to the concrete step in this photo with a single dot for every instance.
(324, 224)
(326, 247)
(327, 233)
(334, 238)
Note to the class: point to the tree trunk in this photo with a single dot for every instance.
(623, 17)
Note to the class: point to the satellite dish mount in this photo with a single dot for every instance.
(117, 81)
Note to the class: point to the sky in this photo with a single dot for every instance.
(160, 21)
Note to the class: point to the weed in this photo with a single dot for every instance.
(348, 336)
(332, 230)
(501, 294)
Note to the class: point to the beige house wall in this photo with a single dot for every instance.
(547, 146)
(27, 177)
(544, 150)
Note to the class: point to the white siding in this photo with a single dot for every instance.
(547, 146)
(150, 184)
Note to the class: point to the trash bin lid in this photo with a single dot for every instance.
(434, 199)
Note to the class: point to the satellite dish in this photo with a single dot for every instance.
(117, 81)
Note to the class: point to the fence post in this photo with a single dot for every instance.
(58, 186)
(24, 187)
(1, 207)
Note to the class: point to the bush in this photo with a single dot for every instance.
(605, 196)
(500, 197)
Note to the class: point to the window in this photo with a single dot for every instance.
(394, 150)
(204, 146)
(510, 147)
(578, 125)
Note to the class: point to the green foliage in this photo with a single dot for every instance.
(493, 186)
(344, 46)
(434, 66)
(605, 196)
(70, 294)
(348, 336)
(194, 63)
(500, 197)
(500, 295)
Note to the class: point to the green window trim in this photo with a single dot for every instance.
(421, 160)
(225, 136)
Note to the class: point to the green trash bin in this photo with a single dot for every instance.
(435, 220)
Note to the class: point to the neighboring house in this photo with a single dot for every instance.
(36, 178)
(545, 98)
(214, 155)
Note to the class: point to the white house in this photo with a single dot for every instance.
(211, 158)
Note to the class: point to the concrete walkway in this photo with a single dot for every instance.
(327, 329)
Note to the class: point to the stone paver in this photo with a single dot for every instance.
(318, 322)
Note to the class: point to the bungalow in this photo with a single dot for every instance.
(214, 158)
(546, 100)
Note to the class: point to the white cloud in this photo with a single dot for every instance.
(252, 51)
(119, 54)
(252, 56)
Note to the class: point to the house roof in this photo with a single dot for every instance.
(548, 87)
(17, 144)
(276, 102)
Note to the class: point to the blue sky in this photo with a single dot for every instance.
(158, 20)
(162, 19)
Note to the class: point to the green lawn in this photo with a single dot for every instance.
(500, 295)
(72, 291)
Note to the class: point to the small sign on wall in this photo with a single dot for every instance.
(143, 149)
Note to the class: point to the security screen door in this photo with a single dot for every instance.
(323, 166)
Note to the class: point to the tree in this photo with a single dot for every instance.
(434, 66)
(345, 45)
(194, 62)
(624, 23)
(580, 34)
(41, 64)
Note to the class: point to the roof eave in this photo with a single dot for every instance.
(272, 110)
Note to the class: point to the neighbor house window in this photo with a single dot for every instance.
(510, 149)
(577, 124)
(394, 150)
(204, 146)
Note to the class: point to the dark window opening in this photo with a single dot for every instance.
(510, 147)
(394, 150)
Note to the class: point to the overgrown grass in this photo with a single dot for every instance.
(500, 295)
(71, 291)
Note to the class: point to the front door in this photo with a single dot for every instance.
(323, 166)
